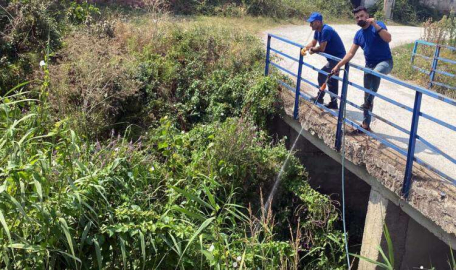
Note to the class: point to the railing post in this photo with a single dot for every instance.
(298, 85)
(268, 49)
(435, 61)
(343, 102)
(415, 48)
(411, 146)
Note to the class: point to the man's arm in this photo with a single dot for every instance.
(320, 48)
(311, 44)
(384, 34)
(351, 53)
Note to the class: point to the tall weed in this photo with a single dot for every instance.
(168, 200)
(84, 188)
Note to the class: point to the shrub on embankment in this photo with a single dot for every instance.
(169, 199)
(26, 26)
(408, 12)
(192, 74)
(281, 9)
(141, 146)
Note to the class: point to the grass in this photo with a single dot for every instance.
(403, 67)
(185, 191)
(259, 24)
(255, 25)
(247, 23)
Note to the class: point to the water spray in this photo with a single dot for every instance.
(282, 169)
(304, 52)
(267, 205)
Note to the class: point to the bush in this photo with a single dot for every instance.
(334, 8)
(409, 12)
(441, 32)
(283, 9)
(83, 188)
(28, 28)
(192, 75)
(168, 200)
(95, 87)
(81, 12)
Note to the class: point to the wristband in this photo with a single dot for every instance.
(380, 30)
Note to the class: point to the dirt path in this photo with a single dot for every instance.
(442, 137)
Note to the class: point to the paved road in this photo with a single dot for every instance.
(443, 138)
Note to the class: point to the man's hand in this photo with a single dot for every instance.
(313, 50)
(372, 21)
(335, 70)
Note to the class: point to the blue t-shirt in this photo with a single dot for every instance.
(375, 48)
(334, 47)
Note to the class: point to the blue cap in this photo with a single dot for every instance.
(315, 17)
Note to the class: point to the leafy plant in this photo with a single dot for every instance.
(387, 261)
(170, 199)
(182, 191)
(81, 12)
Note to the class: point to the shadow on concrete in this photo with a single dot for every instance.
(419, 147)
(356, 116)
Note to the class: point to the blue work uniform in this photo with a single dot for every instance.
(378, 58)
(334, 47)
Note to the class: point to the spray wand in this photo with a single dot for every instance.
(323, 87)
(304, 52)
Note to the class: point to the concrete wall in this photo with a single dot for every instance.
(422, 248)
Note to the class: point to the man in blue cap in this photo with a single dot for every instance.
(330, 43)
(374, 39)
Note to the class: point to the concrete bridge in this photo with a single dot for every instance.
(423, 226)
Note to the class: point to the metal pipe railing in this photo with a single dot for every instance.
(434, 63)
(416, 110)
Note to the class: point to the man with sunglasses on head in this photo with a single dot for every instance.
(374, 39)
(329, 43)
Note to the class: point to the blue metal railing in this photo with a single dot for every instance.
(416, 110)
(434, 63)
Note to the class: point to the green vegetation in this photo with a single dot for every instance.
(140, 144)
(269, 8)
(387, 260)
(168, 199)
(440, 32)
(140, 141)
(29, 27)
(403, 67)
(409, 12)
(191, 73)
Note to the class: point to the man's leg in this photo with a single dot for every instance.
(369, 82)
(372, 83)
(321, 81)
(333, 86)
